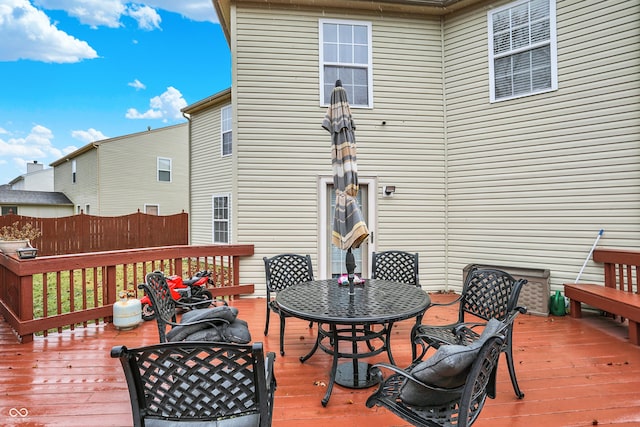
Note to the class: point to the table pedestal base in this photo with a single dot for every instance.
(359, 377)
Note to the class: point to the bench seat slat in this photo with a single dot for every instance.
(611, 300)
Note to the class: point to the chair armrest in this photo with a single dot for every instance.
(376, 370)
(268, 368)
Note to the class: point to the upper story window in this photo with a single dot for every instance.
(221, 219)
(226, 130)
(345, 55)
(522, 49)
(73, 171)
(164, 169)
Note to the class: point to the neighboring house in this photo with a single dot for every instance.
(509, 129)
(37, 178)
(42, 204)
(146, 171)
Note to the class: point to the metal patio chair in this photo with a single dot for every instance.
(282, 271)
(199, 383)
(396, 266)
(486, 294)
(441, 393)
(164, 305)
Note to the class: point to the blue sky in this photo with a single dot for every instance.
(77, 71)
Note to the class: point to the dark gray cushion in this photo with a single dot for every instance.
(251, 420)
(217, 315)
(447, 368)
(209, 334)
(237, 332)
(223, 312)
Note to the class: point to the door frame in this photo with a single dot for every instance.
(323, 221)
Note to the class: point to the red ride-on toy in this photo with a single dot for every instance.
(186, 291)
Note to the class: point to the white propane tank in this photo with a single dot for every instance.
(127, 313)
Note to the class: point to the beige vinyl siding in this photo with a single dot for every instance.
(41, 211)
(532, 180)
(211, 173)
(283, 151)
(128, 172)
(84, 191)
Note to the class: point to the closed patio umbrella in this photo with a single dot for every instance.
(349, 227)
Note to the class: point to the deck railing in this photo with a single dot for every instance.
(52, 293)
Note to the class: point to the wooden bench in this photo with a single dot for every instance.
(619, 294)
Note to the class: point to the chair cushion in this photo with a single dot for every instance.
(237, 332)
(222, 314)
(447, 368)
(250, 420)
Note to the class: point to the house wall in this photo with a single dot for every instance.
(40, 211)
(211, 173)
(531, 181)
(283, 150)
(129, 177)
(527, 182)
(85, 190)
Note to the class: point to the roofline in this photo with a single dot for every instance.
(413, 7)
(211, 101)
(95, 144)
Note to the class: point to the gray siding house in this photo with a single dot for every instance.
(509, 129)
(146, 171)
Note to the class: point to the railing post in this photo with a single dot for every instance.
(236, 270)
(111, 287)
(25, 301)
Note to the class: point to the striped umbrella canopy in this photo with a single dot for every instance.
(349, 227)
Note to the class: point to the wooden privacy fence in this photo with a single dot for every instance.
(87, 233)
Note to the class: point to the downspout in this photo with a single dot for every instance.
(446, 157)
(188, 117)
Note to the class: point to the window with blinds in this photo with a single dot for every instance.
(522, 49)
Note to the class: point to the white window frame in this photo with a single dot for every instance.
(74, 176)
(226, 128)
(150, 205)
(214, 219)
(159, 169)
(531, 46)
(327, 84)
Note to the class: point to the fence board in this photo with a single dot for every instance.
(88, 233)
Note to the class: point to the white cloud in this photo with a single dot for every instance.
(148, 18)
(95, 13)
(195, 10)
(89, 135)
(137, 84)
(166, 106)
(36, 145)
(27, 33)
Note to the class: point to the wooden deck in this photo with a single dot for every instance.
(574, 372)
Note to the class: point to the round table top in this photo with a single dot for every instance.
(377, 301)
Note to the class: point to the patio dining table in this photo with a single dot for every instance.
(359, 318)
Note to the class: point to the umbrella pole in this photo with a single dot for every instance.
(351, 268)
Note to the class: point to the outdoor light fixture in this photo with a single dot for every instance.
(388, 190)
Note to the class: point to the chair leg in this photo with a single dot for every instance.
(512, 371)
(281, 335)
(266, 324)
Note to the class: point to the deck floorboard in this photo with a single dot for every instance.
(574, 373)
